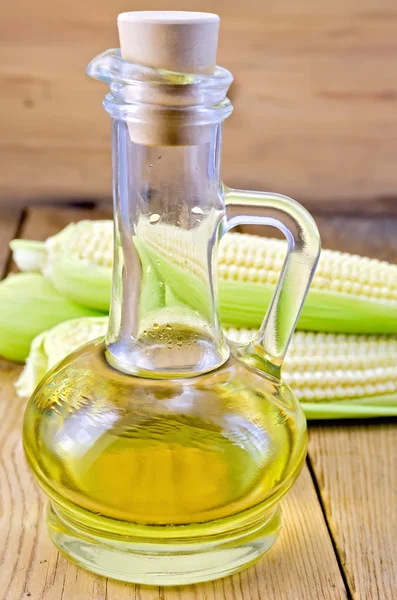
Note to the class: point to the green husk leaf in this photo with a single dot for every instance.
(340, 410)
(183, 288)
(29, 305)
(88, 285)
(322, 311)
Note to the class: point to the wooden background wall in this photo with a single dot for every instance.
(315, 98)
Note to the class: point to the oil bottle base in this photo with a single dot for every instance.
(159, 563)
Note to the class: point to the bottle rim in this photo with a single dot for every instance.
(138, 92)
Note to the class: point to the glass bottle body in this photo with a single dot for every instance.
(139, 471)
(163, 449)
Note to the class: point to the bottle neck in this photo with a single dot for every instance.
(168, 211)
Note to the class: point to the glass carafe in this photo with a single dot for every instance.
(164, 449)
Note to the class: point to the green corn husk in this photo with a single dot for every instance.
(334, 376)
(29, 304)
(348, 294)
(83, 279)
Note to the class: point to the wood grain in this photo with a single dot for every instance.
(9, 223)
(302, 565)
(356, 469)
(315, 97)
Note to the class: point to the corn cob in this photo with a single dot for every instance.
(349, 293)
(324, 366)
(333, 375)
(29, 304)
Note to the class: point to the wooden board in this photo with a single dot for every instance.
(301, 566)
(315, 97)
(356, 470)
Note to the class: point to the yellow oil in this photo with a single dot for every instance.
(147, 452)
(160, 452)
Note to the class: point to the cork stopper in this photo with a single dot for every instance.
(185, 42)
(180, 41)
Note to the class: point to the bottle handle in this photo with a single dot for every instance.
(268, 348)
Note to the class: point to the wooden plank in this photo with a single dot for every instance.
(9, 224)
(301, 565)
(315, 103)
(356, 470)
